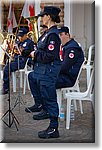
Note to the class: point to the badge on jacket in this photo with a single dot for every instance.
(51, 47)
(25, 44)
(71, 55)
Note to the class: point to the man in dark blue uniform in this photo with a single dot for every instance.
(24, 48)
(46, 69)
(73, 58)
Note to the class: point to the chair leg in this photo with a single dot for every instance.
(93, 100)
(88, 74)
(59, 99)
(68, 113)
(80, 102)
(1, 74)
(21, 80)
(25, 78)
(28, 83)
(81, 106)
(14, 81)
(75, 105)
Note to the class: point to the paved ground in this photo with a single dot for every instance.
(81, 130)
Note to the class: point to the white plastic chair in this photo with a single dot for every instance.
(61, 92)
(14, 81)
(21, 78)
(26, 80)
(1, 74)
(88, 95)
(89, 65)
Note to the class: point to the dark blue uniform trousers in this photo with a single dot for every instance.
(44, 92)
(64, 81)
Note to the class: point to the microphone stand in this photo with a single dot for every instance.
(11, 117)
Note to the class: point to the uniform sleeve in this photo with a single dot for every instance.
(49, 53)
(26, 52)
(70, 57)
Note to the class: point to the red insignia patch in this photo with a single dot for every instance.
(51, 47)
(71, 55)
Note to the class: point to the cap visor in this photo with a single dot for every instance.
(41, 14)
(19, 34)
(60, 30)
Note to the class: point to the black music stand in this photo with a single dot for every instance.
(19, 99)
(11, 117)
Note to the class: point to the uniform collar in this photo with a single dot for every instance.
(53, 27)
(68, 42)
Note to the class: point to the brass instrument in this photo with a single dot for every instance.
(30, 35)
(34, 32)
(2, 53)
(6, 42)
(9, 37)
(1, 38)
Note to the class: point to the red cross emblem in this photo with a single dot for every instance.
(71, 55)
(51, 47)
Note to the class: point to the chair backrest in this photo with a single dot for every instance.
(77, 80)
(76, 85)
(25, 69)
(90, 52)
(91, 84)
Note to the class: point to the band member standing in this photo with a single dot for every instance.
(25, 47)
(46, 69)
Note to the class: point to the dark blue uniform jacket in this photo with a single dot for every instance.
(47, 60)
(48, 46)
(73, 58)
(27, 46)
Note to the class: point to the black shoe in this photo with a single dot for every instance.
(34, 108)
(3, 92)
(42, 115)
(49, 133)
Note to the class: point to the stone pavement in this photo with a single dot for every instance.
(82, 129)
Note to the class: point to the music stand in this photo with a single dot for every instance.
(12, 119)
(19, 99)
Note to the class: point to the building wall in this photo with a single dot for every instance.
(18, 6)
(78, 16)
(89, 24)
(77, 22)
(0, 16)
(82, 23)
